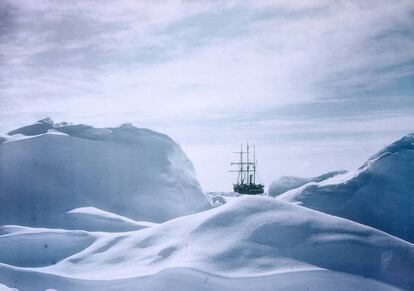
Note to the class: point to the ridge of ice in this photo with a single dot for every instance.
(379, 193)
(136, 173)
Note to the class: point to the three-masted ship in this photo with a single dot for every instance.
(246, 178)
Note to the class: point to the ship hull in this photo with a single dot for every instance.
(255, 189)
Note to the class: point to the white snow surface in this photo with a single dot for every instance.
(248, 243)
(129, 171)
(286, 183)
(219, 198)
(380, 193)
(78, 206)
(93, 219)
(5, 288)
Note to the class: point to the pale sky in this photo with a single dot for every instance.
(316, 85)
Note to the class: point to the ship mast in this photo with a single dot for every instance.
(244, 177)
(247, 165)
(241, 171)
(254, 164)
(241, 165)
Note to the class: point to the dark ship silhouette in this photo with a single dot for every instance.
(246, 178)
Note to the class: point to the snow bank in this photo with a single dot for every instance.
(249, 242)
(248, 237)
(104, 181)
(133, 172)
(93, 219)
(5, 288)
(190, 280)
(380, 193)
(287, 183)
(27, 247)
(219, 198)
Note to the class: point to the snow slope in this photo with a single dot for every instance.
(248, 243)
(5, 288)
(48, 169)
(74, 201)
(286, 183)
(93, 219)
(190, 280)
(34, 247)
(379, 194)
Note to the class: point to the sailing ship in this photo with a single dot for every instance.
(246, 178)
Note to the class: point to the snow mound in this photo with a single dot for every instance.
(5, 288)
(252, 236)
(380, 193)
(136, 173)
(40, 127)
(27, 247)
(93, 219)
(287, 183)
(190, 280)
(219, 198)
(248, 243)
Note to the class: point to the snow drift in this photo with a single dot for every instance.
(248, 243)
(48, 169)
(87, 193)
(379, 194)
(31, 247)
(286, 183)
(93, 219)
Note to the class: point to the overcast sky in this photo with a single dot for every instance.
(316, 85)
